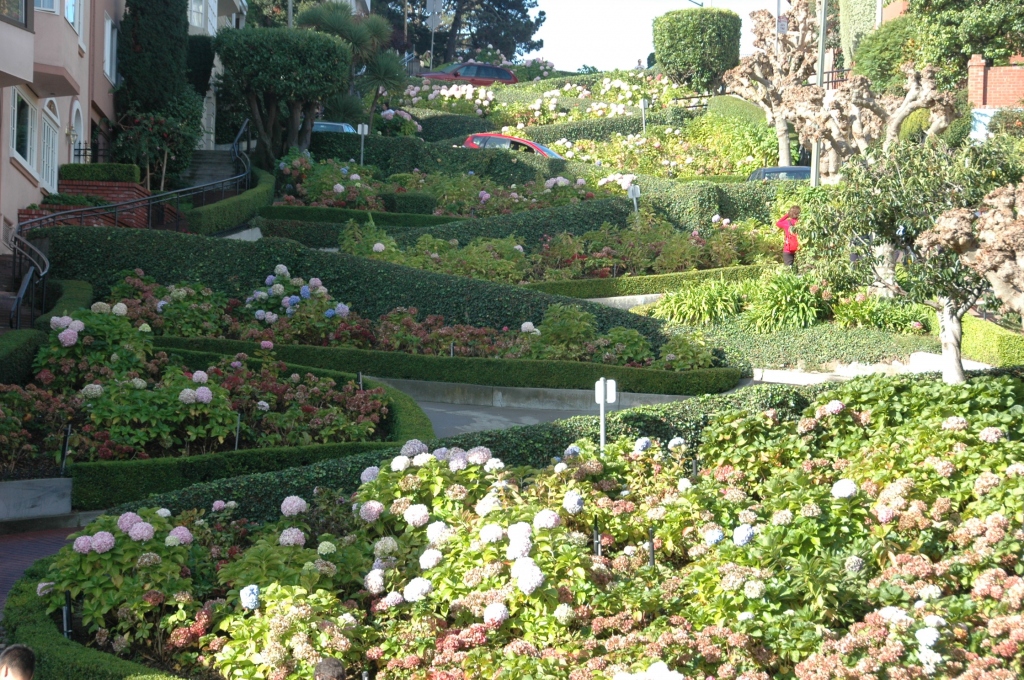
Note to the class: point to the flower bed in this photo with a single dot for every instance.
(806, 548)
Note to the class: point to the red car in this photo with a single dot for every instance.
(492, 140)
(474, 74)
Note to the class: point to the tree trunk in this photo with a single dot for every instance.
(306, 131)
(885, 270)
(294, 121)
(782, 132)
(373, 106)
(949, 335)
(453, 34)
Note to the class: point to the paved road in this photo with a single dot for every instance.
(19, 551)
(452, 419)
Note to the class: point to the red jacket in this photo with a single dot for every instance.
(790, 243)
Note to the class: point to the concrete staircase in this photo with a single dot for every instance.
(209, 166)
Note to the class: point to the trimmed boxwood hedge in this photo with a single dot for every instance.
(67, 296)
(234, 211)
(100, 172)
(990, 343)
(317, 234)
(645, 285)
(372, 288)
(477, 371)
(104, 484)
(17, 352)
(412, 202)
(259, 496)
(297, 213)
(531, 225)
(439, 125)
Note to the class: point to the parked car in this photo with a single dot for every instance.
(492, 140)
(474, 74)
(328, 126)
(797, 172)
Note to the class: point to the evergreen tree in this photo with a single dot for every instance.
(152, 54)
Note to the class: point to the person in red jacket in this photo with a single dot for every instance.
(790, 243)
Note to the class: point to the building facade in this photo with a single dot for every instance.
(206, 17)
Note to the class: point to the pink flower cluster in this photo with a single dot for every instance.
(293, 505)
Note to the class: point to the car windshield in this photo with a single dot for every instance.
(449, 68)
(788, 174)
(548, 152)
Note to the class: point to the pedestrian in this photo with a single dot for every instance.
(790, 243)
(639, 64)
(17, 662)
(329, 669)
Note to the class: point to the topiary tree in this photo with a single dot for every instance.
(284, 75)
(697, 46)
(857, 19)
(777, 66)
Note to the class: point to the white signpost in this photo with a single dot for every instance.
(363, 129)
(634, 193)
(604, 393)
(643, 113)
(434, 9)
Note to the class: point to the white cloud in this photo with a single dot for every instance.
(612, 34)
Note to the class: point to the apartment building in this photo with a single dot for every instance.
(206, 17)
(58, 65)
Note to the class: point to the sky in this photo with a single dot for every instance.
(612, 34)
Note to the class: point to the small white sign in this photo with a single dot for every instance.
(633, 191)
(363, 129)
(644, 104)
(783, 25)
(609, 391)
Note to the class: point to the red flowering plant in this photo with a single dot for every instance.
(31, 423)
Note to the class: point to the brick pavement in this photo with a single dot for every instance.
(19, 551)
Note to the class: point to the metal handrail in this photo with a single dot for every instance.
(14, 320)
(39, 268)
(154, 218)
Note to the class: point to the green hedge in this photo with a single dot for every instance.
(645, 285)
(67, 296)
(990, 343)
(731, 106)
(104, 484)
(100, 172)
(698, 45)
(530, 225)
(371, 287)
(296, 213)
(17, 352)
(232, 212)
(602, 129)
(58, 658)
(438, 125)
(412, 202)
(477, 371)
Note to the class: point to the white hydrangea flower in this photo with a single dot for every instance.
(495, 614)
(430, 558)
(374, 582)
(491, 533)
(844, 488)
(417, 589)
(385, 546)
(120, 309)
(438, 532)
(163, 512)
(422, 459)
(400, 463)
(927, 637)
(493, 465)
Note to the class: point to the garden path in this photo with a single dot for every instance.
(19, 551)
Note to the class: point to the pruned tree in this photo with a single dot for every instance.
(989, 242)
(776, 66)
(852, 117)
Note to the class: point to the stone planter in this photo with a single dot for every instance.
(28, 498)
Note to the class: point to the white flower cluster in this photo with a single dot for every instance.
(527, 574)
(657, 671)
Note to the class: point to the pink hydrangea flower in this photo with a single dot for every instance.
(82, 545)
(204, 395)
(371, 511)
(267, 345)
(125, 521)
(219, 505)
(834, 407)
(417, 515)
(102, 541)
(991, 435)
(141, 531)
(955, 423)
(293, 505)
(292, 536)
(68, 337)
(182, 534)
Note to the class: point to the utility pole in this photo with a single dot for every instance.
(405, 24)
(289, 13)
(816, 151)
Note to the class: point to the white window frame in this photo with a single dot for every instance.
(196, 12)
(49, 153)
(46, 6)
(33, 113)
(75, 7)
(211, 17)
(109, 49)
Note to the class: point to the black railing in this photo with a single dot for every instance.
(160, 211)
(34, 278)
(87, 154)
(834, 79)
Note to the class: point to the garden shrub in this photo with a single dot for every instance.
(234, 211)
(259, 495)
(295, 213)
(990, 343)
(707, 302)
(882, 53)
(410, 202)
(697, 46)
(480, 371)
(731, 106)
(17, 352)
(73, 200)
(66, 296)
(438, 125)
(98, 254)
(100, 172)
(645, 285)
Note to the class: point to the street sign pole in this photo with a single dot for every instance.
(634, 193)
(363, 130)
(643, 113)
(816, 151)
(604, 393)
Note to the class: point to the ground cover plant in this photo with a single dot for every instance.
(879, 533)
(291, 310)
(649, 244)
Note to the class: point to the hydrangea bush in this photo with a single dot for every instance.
(879, 535)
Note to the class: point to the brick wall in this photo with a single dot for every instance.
(115, 192)
(995, 87)
(893, 10)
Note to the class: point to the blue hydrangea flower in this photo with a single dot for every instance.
(295, 299)
(282, 165)
(160, 306)
(713, 536)
(572, 451)
(642, 444)
(270, 280)
(261, 314)
(330, 313)
(470, 173)
(270, 291)
(304, 292)
(250, 596)
(676, 443)
(342, 309)
(742, 534)
(345, 170)
(291, 310)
